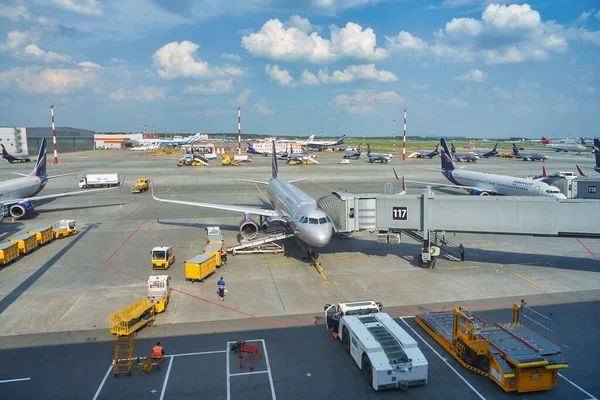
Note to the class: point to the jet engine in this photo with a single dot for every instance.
(248, 228)
(21, 210)
(478, 193)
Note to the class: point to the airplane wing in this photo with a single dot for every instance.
(52, 196)
(454, 186)
(240, 209)
(253, 181)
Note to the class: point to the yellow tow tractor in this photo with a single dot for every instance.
(226, 159)
(63, 228)
(140, 186)
(162, 257)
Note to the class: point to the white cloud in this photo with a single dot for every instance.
(22, 45)
(141, 93)
(242, 99)
(261, 108)
(455, 102)
(308, 78)
(363, 101)
(209, 112)
(356, 72)
(85, 7)
(597, 15)
(474, 75)
(48, 80)
(584, 16)
(214, 87)
(33, 52)
(14, 12)
(405, 41)
(231, 56)
(504, 34)
(501, 93)
(89, 65)
(589, 36)
(293, 41)
(279, 75)
(179, 60)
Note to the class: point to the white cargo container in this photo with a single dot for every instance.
(98, 180)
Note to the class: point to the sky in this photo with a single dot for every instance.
(474, 68)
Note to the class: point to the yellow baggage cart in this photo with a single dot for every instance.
(215, 239)
(26, 242)
(131, 318)
(8, 252)
(216, 250)
(43, 235)
(200, 267)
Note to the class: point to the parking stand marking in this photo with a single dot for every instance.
(268, 371)
(162, 393)
(572, 383)
(15, 380)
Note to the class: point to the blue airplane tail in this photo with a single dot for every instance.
(515, 150)
(274, 168)
(452, 148)
(597, 152)
(251, 149)
(447, 163)
(40, 165)
(7, 156)
(340, 140)
(368, 149)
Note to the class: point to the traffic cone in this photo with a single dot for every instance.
(121, 205)
(148, 227)
(13, 220)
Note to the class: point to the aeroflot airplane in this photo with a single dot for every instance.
(292, 207)
(483, 184)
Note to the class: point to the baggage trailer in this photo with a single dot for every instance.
(511, 355)
(43, 235)
(388, 356)
(26, 242)
(131, 318)
(215, 239)
(8, 252)
(215, 249)
(200, 267)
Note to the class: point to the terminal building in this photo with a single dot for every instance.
(28, 140)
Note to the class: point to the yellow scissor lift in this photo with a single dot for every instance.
(513, 356)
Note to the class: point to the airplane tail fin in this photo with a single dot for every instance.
(597, 152)
(310, 138)
(7, 156)
(447, 163)
(579, 170)
(515, 150)
(274, 168)
(341, 140)
(495, 147)
(40, 165)
(368, 149)
(452, 148)
(544, 174)
(582, 141)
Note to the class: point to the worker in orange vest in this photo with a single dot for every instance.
(223, 256)
(158, 351)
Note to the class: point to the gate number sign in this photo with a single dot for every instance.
(400, 213)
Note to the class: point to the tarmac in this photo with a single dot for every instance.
(61, 294)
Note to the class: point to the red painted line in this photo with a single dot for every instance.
(138, 207)
(588, 250)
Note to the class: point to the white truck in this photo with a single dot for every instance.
(98, 180)
(388, 356)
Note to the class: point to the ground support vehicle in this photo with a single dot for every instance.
(388, 356)
(140, 186)
(131, 318)
(159, 291)
(226, 159)
(8, 252)
(26, 242)
(162, 257)
(215, 250)
(511, 355)
(200, 267)
(63, 228)
(98, 180)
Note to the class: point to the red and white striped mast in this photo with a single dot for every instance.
(54, 135)
(239, 132)
(404, 142)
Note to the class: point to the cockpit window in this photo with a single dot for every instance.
(322, 220)
(328, 219)
(314, 221)
(304, 220)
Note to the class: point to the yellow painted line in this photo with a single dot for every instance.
(315, 262)
(263, 195)
(320, 184)
(465, 267)
(527, 279)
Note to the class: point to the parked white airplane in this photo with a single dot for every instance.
(483, 183)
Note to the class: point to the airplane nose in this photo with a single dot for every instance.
(321, 237)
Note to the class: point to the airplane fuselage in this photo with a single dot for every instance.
(19, 188)
(501, 184)
(299, 210)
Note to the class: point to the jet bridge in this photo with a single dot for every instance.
(431, 215)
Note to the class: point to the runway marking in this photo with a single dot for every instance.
(329, 283)
(588, 250)
(249, 373)
(443, 359)
(465, 267)
(573, 383)
(342, 257)
(164, 387)
(15, 380)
